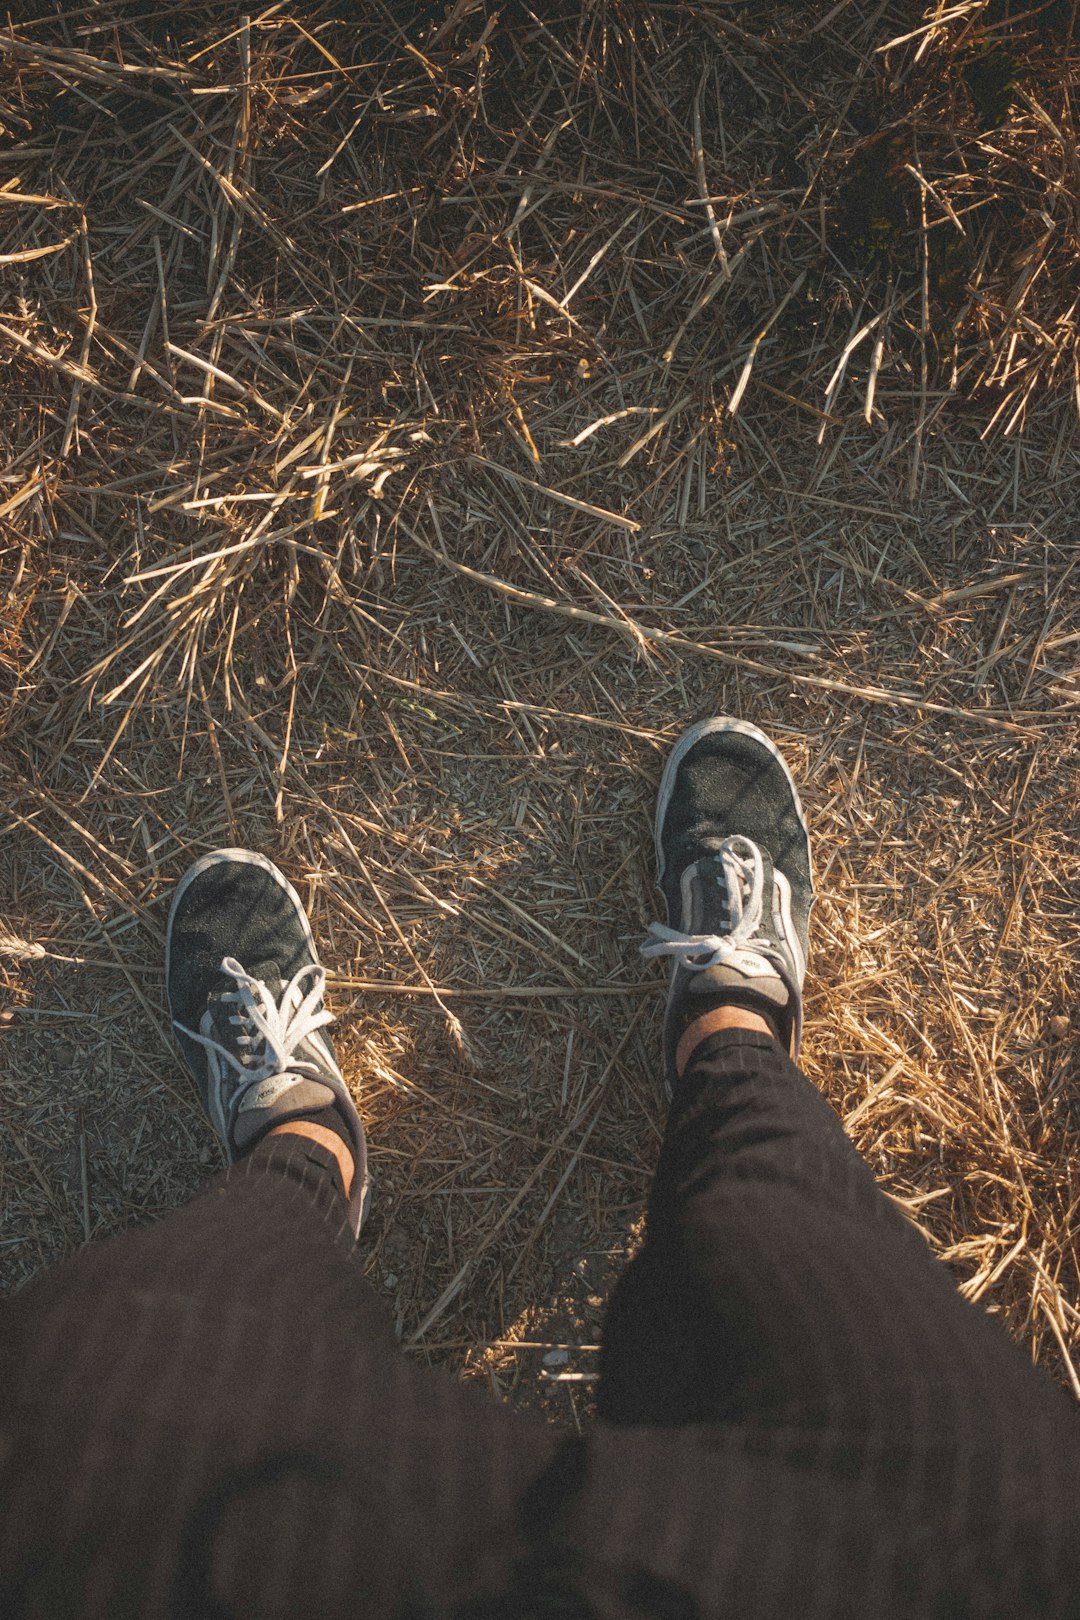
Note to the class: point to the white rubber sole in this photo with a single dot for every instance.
(688, 740)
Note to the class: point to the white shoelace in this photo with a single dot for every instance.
(271, 1030)
(744, 879)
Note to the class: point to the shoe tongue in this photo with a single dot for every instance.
(749, 981)
(753, 972)
(709, 871)
(268, 973)
(222, 1012)
(272, 1101)
(749, 974)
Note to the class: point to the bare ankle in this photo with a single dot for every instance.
(326, 1139)
(716, 1018)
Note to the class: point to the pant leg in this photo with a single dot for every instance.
(803, 1416)
(211, 1416)
(777, 1283)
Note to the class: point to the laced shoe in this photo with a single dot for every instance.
(246, 990)
(733, 855)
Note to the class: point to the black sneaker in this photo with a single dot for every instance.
(734, 864)
(246, 990)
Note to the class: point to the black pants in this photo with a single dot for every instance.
(800, 1415)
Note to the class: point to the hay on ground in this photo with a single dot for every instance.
(412, 423)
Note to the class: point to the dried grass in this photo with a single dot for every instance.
(411, 424)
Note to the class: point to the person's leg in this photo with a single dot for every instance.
(860, 1441)
(210, 1415)
(777, 1283)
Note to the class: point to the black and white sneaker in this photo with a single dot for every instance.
(246, 989)
(734, 864)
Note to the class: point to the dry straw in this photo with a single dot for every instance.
(411, 423)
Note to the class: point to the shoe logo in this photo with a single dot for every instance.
(266, 1092)
(750, 965)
